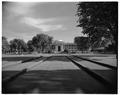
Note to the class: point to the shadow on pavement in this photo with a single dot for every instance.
(57, 81)
(16, 58)
(53, 58)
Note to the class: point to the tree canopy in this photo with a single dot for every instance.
(99, 20)
(5, 44)
(82, 43)
(42, 41)
(30, 45)
(18, 44)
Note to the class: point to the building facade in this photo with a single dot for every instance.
(59, 46)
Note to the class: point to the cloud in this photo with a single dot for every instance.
(21, 8)
(47, 28)
(44, 25)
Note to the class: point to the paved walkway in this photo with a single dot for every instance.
(57, 75)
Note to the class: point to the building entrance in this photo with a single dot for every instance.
(59, 48)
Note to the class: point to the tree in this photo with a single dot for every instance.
(98, 20)
(82, 43)
(18, 45)
(30, 45)
(5, 44)
(42, 41)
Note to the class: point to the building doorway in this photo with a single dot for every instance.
(59, 48)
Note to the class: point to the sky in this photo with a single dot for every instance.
(24, 20)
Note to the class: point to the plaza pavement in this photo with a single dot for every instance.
(59, 75)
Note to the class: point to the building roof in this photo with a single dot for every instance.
(56, 42)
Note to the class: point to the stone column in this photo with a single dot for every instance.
(62, 49)
(56, 48)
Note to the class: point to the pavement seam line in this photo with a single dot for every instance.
(23, 71)
(98, 63)
(93, 74)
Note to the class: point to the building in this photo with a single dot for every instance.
(60, 46)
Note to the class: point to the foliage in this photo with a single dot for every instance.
(98, 20)
(42, 41)
(110, 48)
(82, 43)
(18, 45)
(5, 44)
(30, 45)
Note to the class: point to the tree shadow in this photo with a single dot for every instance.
(53, 58)
(16, 58)
(58, 81)
(56, 58)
